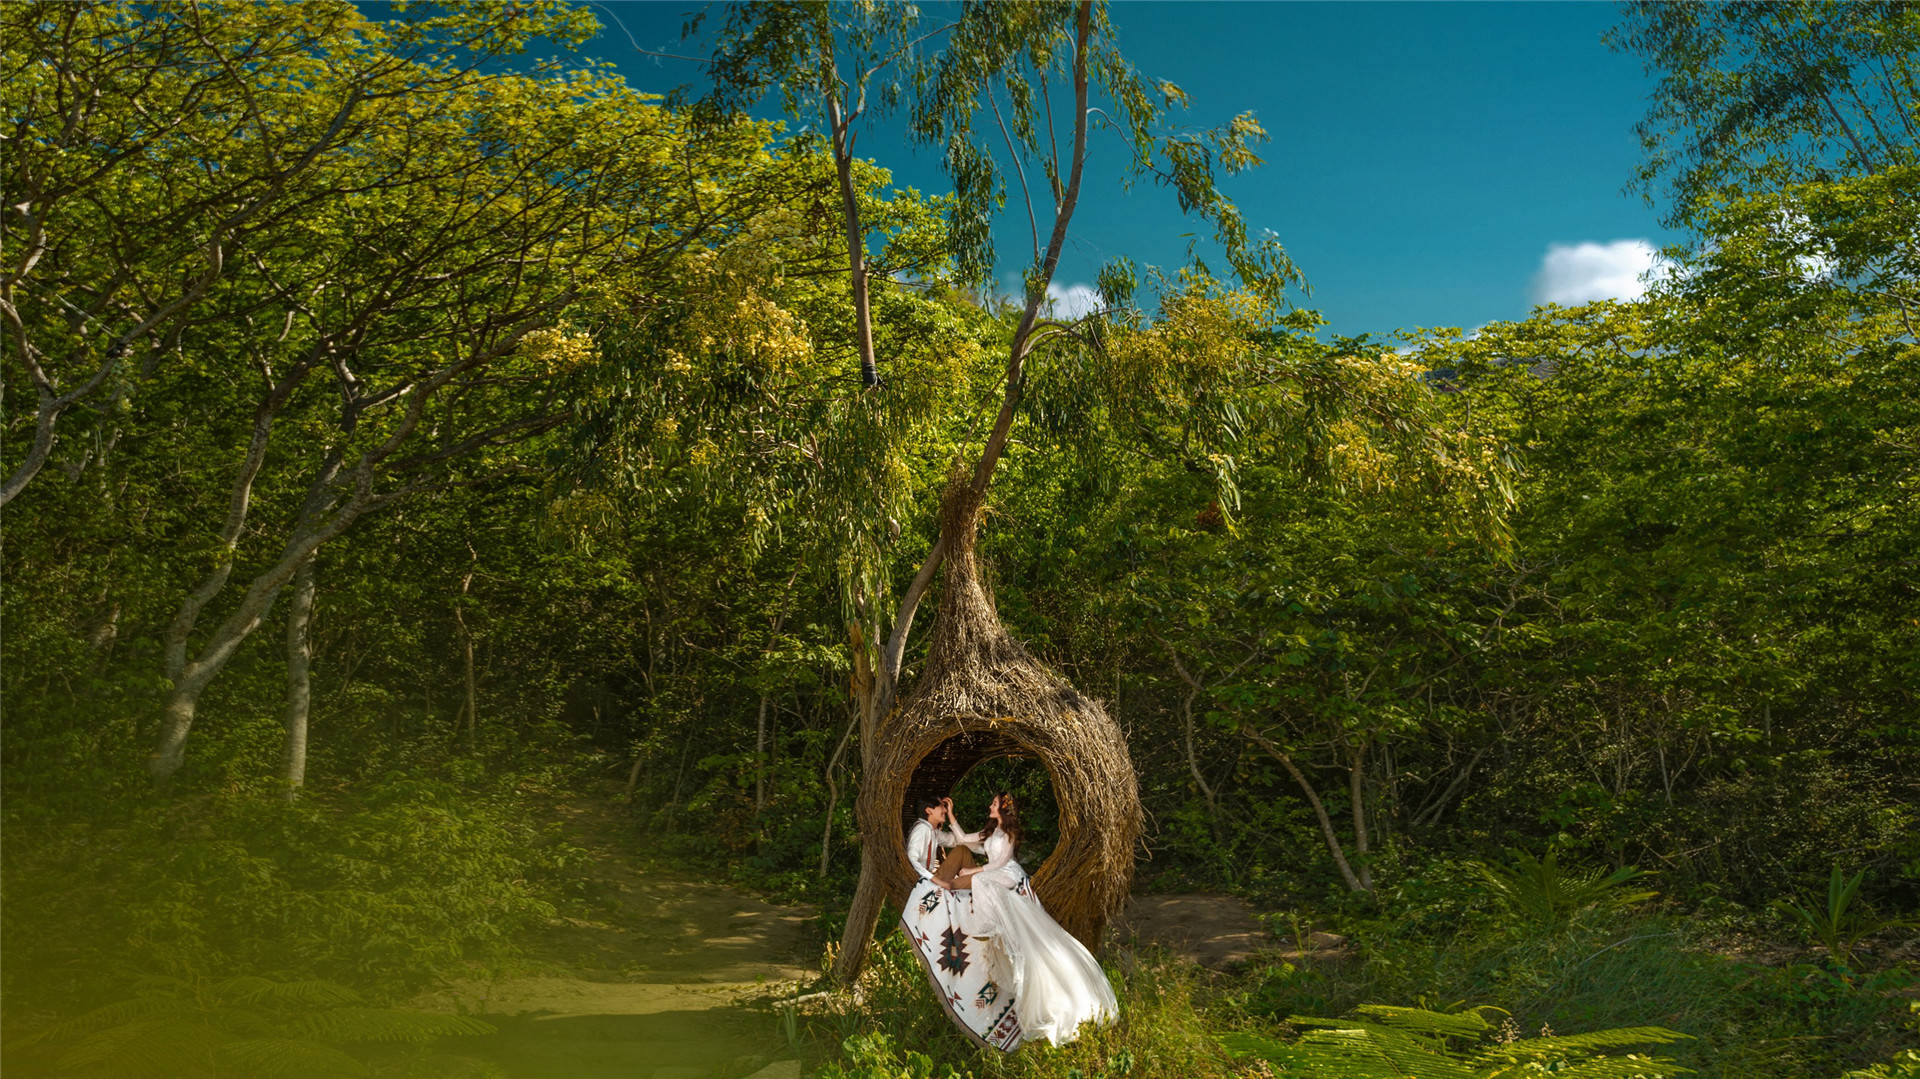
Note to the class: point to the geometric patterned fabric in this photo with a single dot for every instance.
(965, 971)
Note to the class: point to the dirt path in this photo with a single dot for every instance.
(1215, 931)
(645, 981)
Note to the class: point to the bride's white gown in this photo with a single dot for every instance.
(1057, 984)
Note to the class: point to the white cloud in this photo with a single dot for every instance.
(1582, 273)
(1072, 302)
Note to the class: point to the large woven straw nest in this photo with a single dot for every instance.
(983, 695)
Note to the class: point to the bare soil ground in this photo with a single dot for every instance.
(1215, 931)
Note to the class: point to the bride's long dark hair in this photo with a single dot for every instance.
(1009, 819)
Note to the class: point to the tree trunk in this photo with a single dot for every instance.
(1193, 761)
(106, 633)
(839, 124)
(177, 714)
(1194, 689)
(470, 707)
(181, 629)
(1356, 793)
(633, 777)
(293, 758)
(183, 700)
(686, 747)
(833, 790)
(863, 915)
(1334, 848)
(760, 733)
(49, 406)
(760, 762)
(1429, 814)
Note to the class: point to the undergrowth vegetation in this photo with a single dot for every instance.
(381, 889)
(1743, 1018)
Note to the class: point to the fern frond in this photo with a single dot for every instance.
(430, 1065)
(1468, 1023)
(1541, 891)
(287, 1058)
(244, 989)
(1631, 1066)
(1387, 1052)
(1599, 1039)
(1358, 1050)
(116, 1014)
(1389, 1042)
(162, 985)
(312, 993)
(385, 1025)
(164, 1047)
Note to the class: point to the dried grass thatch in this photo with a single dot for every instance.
(982, 695)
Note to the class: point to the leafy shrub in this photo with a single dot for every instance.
(1843, 922)
(1539, 892)
(1904, 1064)
(1436, 895)
(874, 1055)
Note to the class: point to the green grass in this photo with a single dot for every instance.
(897, 1029)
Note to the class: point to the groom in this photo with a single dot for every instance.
(929, 836)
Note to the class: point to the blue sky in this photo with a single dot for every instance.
(1431, 164)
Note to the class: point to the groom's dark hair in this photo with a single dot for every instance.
(927, 803)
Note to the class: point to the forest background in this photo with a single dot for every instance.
(406, 432)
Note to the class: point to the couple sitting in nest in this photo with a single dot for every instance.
(1003, 968)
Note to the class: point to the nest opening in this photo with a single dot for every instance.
(963, 767)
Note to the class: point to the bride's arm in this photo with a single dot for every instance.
(998, 854)
(956, 832)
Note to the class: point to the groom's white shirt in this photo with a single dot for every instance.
(923, 847)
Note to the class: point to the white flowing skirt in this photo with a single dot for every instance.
(1056, 983)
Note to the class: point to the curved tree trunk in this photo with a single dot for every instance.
(183, 700)
(470, 704)
(869, 898)
(177, 714)
(293, 757)
(833, 792)
(1354, 881)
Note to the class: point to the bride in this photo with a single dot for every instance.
(1056, 982)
